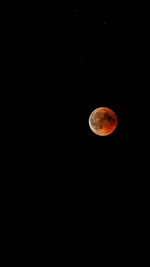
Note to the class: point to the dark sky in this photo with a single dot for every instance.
(4, 4)
(52, 4)
(97, 180)
(81, 57)
(19, 3)
(12, 4)
(73, 189)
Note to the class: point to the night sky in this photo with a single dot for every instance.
(83, 57)
(97, 63)
(12, 4)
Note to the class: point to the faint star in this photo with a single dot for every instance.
(76, 12)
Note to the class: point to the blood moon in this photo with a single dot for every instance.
(103, 121)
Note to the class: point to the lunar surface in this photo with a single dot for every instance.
(103, 121)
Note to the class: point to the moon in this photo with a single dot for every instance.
(103, 121)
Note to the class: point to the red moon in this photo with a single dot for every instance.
(103, 121)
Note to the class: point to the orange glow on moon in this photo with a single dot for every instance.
(103, 121)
